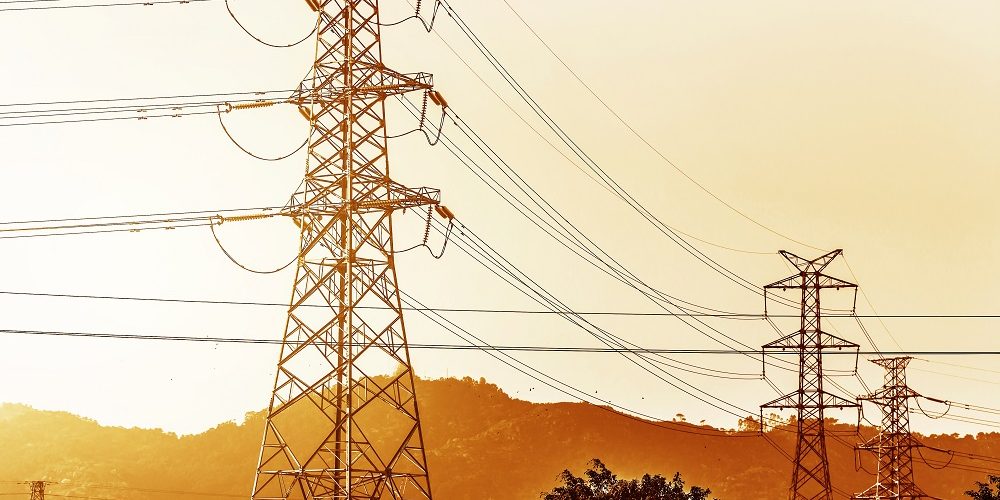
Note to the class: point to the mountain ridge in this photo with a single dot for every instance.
(481, 444)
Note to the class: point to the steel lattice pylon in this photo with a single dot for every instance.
(893, 446)
(370, 444)
(37, 489)
(811, 472)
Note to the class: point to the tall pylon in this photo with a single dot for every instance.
(345, 319)
(811, 470)
(893, 446)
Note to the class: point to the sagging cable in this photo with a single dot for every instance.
(428, 25)
(274, 45)
(445, 213)
(218, 220)
(253, 105)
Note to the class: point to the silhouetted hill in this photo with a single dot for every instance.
(481, 445)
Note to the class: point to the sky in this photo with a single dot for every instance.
(865, 126)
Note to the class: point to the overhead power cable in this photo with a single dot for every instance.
(227, 211)
(488, 257)
(643, 139)
(704, 259)
(254, 155)
(871, 305)
(480, 310)
(523, 367)
(432, 347)
(558, 227)
(552, 382)
(140, 108)
(26, 5)
(223, 97)
(548, 219)
(607, 180)
(115, 224)
(262, 41)
(514, 276)
(562, 153)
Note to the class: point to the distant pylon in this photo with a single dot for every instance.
(37, 489)
(811, 471)
(336, 429)
(893, 446)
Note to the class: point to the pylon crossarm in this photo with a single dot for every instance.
(787, 401)
(791, 282)
(811, 266)
(889, 395)
(831, 282)
(398, 198)
(793, 341)
(831, 400)
(822, 399)
(796, 282)
(392, 83)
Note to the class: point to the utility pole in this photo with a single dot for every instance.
(335, 428)
(893, 446)
(811, 471)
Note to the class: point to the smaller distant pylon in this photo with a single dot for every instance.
(893, 446)
(37, 489)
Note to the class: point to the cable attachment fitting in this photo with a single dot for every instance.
(306, 113)
(423, 109)
(252, 105)
(443, 211)
(438, 99)
(427, 229)
(220, 220)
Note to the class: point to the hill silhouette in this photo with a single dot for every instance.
(481, 443)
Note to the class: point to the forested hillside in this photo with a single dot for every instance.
(481, 443)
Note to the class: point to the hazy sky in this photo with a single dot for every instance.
(868, 126)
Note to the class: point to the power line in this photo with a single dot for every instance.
(554, 383)
(262, 41)
(136, 216)
(643, 139)
(608, 181)
(488, 257)
(57, 6)
(582, 242)
(137, 108)
(549, 219)
(260, 93)
(468, 309)
(458, 347)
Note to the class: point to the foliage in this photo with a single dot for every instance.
(985, 491)
(602, 484)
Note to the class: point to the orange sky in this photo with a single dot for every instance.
(864, 126)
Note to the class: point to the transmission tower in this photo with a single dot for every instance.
(37, 489)
(893, 446)
(811, 471)
(370, 444)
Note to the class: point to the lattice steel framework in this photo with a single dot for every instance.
(893, 446)
(370, 444)
(37, 489)
(811, 471)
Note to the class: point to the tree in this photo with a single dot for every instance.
(600, 483)
(985, 491)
